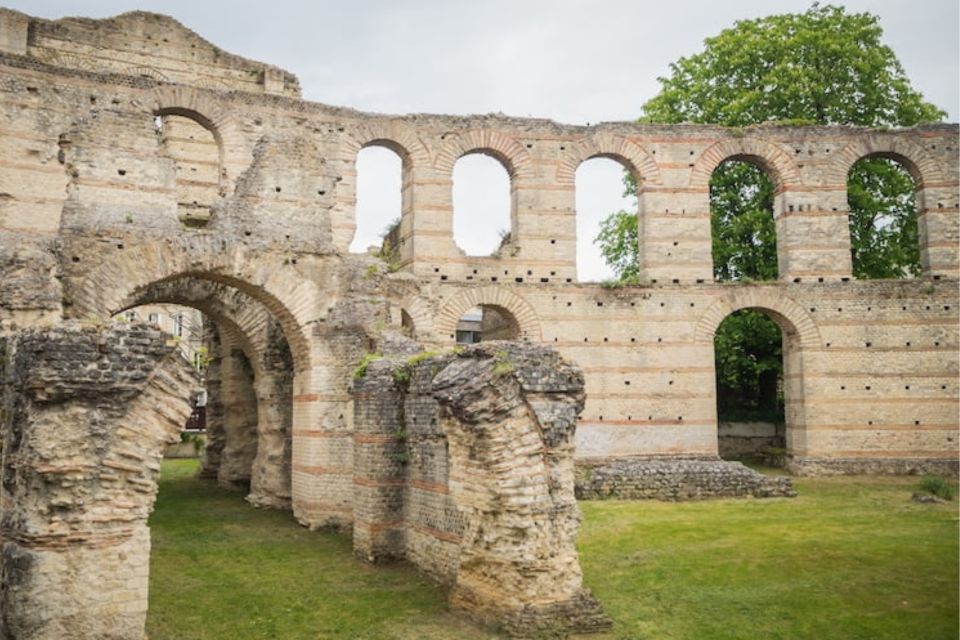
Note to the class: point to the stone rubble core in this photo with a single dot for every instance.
(677, 480)
(464, 467)
(87, 413)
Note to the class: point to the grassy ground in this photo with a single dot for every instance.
(850, 558)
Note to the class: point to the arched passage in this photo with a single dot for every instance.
(511, 304)
(487, 322)
(252, 382)
(755, 311)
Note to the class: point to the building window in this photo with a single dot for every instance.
(155, 318)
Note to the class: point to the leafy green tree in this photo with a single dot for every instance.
(823, 66)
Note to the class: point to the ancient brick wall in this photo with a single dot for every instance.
(92, 197)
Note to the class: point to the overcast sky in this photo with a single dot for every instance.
(576, 61)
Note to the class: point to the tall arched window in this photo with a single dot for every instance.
(379, 183)
(604, 195)
(482, 203)
(742, 221)
(196, 155)
(884, 238)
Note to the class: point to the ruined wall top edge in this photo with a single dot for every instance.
(146, 49)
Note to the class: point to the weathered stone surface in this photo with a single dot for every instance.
(465, 467)
(143, 164)
(677, 480)
(87, 413)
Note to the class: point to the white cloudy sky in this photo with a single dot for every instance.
(576, 61)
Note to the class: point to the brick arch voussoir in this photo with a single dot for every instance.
(205, 106)
(395, 137)
(245, 315)
(627, 152)
(108, 287)
(783, 170)
(508, 151)
(461, 302)
(798, 321)
(924, 167)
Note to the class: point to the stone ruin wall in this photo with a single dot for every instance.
(464, 466)
(872, 365)
(140, 164)
(87, 412)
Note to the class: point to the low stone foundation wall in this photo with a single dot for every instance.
(677, 480)
(872, 466)
(739, 440)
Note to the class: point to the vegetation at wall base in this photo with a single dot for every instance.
(851, 558)
(937, 486)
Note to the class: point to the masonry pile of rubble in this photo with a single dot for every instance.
(677, 480)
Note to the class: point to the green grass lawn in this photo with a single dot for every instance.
(850, 558)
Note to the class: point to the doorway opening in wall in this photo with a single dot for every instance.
(751, 418)
(487, 322)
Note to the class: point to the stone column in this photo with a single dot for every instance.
(87, 414)
(239, 419)
(215, 435)
(270, 472)
(378, 462)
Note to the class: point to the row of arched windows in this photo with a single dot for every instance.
(883, 213)
(883, 210)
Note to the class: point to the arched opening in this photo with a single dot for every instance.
(379, 197)
(884, 235)
(487, 322)
(221, 435)
(602, 186)
(197, 164)
(743, 201)
(749, 368)
(482, 204)
(406, 324)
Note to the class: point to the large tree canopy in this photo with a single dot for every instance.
(823, 66)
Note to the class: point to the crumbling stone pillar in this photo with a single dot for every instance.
(270, 472)
(464, 463)
(239, 419)
(509, 413)
(215, 437)
(379, 459)
(87, 413)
